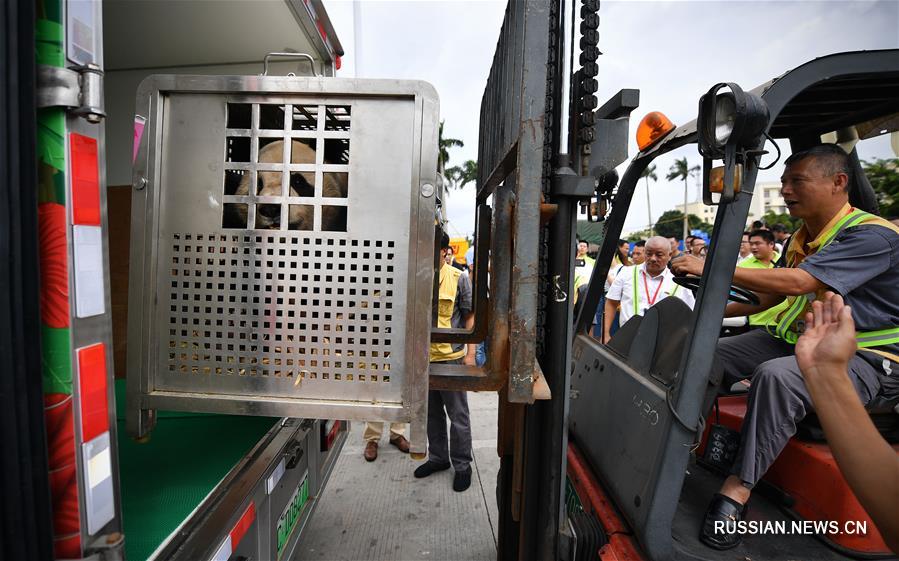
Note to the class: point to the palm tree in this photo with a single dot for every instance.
(649, 173)
(444, 144)
(459, 176)
(682, 170)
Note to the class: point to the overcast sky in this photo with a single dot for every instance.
(672, 51)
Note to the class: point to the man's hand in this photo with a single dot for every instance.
(470, 358)
(687, 265)
(829, 338)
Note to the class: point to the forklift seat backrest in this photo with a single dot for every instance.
(674, 320)
(654, 342)
(884, 414)
(623, 338)
(861, 193)
(659, 339)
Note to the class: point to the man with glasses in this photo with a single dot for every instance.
(744, 247)
(697, 247)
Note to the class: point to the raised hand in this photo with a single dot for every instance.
(829, 338)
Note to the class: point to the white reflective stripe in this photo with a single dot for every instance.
(224, 551)
(99, 494)
(275, 477)
(90, 294)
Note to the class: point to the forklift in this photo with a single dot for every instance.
(640, 457)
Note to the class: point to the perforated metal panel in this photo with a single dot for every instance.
(282, 248)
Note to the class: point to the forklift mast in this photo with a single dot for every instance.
(521, 164)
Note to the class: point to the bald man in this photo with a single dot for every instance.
(638, 287)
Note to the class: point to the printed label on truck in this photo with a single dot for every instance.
(291, 515)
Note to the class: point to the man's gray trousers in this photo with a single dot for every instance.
(778, 398)
(458, 448)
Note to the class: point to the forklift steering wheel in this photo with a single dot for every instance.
(737, 294)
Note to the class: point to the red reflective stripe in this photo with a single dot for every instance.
(93, 397)
(337, 62)
(85, 180)
(332, 434)
(240, 529)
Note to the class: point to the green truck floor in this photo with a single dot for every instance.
(163, 480)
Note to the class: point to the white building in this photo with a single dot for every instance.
(770, 197)
(701, 211)
(765, 198)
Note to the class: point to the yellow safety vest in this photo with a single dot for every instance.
(788, 326)
(446, 295)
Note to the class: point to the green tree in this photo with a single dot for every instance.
(460, 176)
(649, 173)
(884, 178)
(671, 222)
(682, 170)
(443, 145)
(641, 235)
(771, 218)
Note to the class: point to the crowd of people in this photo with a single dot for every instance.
(761, 247)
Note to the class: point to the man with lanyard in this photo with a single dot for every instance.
(638, 287)
(838, 248)
(454, 309)
(762, 256)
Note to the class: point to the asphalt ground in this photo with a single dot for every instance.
(377, 511)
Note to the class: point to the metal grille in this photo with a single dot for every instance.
(306, 310)
(286, 166)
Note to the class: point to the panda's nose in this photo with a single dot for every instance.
(270, 211)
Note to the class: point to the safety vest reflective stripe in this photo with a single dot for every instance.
(799, 304)
(636, 294)
(792, 314)
(867, 339)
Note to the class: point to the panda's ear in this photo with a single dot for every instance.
(300, 187)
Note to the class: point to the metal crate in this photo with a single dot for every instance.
(282, 248)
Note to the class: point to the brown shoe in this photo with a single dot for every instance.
(401, 443)
(371, 451)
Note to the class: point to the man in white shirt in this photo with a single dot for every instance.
(638, 287)
(745, 248)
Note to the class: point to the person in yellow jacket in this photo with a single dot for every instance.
(454, 310)
(839, 249)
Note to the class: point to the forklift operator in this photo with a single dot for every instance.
(838, 248)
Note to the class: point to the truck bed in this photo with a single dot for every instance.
(163, 480)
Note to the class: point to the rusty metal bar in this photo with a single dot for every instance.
(479, 287)
(494, 374)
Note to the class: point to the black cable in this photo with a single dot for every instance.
(700, 426)
(777, 159)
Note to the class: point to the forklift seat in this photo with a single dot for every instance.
(884, 414)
